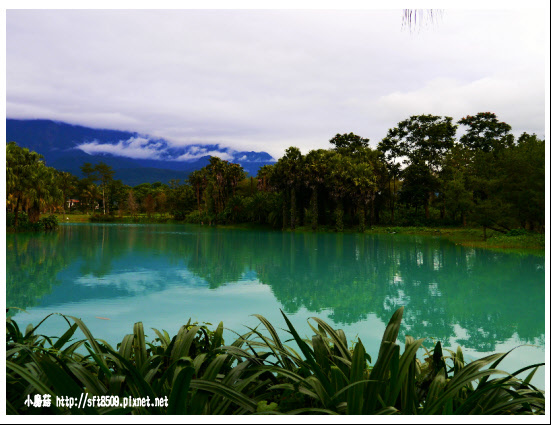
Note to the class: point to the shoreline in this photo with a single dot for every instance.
(532, 243)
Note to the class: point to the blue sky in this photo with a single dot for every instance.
(265, 80)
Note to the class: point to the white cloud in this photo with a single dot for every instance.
(264, 80)
(513, 101)
(135, 147)
(144, 148)
(192, 156)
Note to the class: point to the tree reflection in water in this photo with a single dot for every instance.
(491, 295)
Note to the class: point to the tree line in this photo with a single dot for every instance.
(421, 173)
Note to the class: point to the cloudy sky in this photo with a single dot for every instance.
(265, 80)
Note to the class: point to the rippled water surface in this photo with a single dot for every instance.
(164, 275)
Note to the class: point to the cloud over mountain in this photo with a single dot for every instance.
(136, 158)
(264, 80)
(135, 147)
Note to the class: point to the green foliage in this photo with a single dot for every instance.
(350, 143)
(198, 217)
(258, 373)
(516, 232)
(423, 139)
(419, 175)
(485, 132)
(24, 225)
(339, 218)
(30, 185)
(49, 222)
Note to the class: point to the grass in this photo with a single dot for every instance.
(199, 373)
(73, 218)
(474, 237)
(533, 243)
(139, 218)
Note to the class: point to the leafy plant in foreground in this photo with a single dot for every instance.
(259, 373)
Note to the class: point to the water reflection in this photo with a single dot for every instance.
(491, 297)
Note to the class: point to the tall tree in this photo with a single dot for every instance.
(44, 193)
(338, 184)
(423, 141)
(456, 182)
(131, 203)
(100, 173)
(198, 180)
(390, 148)
(29, 182)
(349, 143)
(20, 164)
(522, 171)
(180, 199)
(289, 175)
(105, 175)
(66, 183)
(315, 172)
(419, 182)
(485, 132)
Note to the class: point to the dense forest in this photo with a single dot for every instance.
(421, 173)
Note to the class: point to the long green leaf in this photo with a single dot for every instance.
(65, 337)
(84, 329)
(220, 389)
(183, 342)
(140, 348)
(217, 338)
(88, 379)
(453, 387)
(63, 384)
(178, 400)
(38, 385)
(356, 397)
(162, 337)
(406, 359)
(309, 355)
(335, 338)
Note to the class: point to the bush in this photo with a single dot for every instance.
(257, 373)
(179, 215)
(24, 225)
(198, 217)
(517, 232)
(50, 222)
(100, 218)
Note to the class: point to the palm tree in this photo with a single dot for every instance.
(21, 167)
(43, 192)
(291, 170)
(66, 182)
(315, 169)
(198, 179)
(91, 194)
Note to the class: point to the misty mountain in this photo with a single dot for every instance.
(136, 158)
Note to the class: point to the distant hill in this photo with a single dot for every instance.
(66, 147)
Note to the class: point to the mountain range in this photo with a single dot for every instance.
(134, 157)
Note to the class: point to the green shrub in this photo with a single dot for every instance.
(516, 232)
(198, 217)
(179, 215)
(258, 373)
(101, 218)
(24, 225)
(50, 222)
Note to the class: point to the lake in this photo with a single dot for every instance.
(163, 275)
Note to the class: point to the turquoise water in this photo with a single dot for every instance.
(164, 275)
